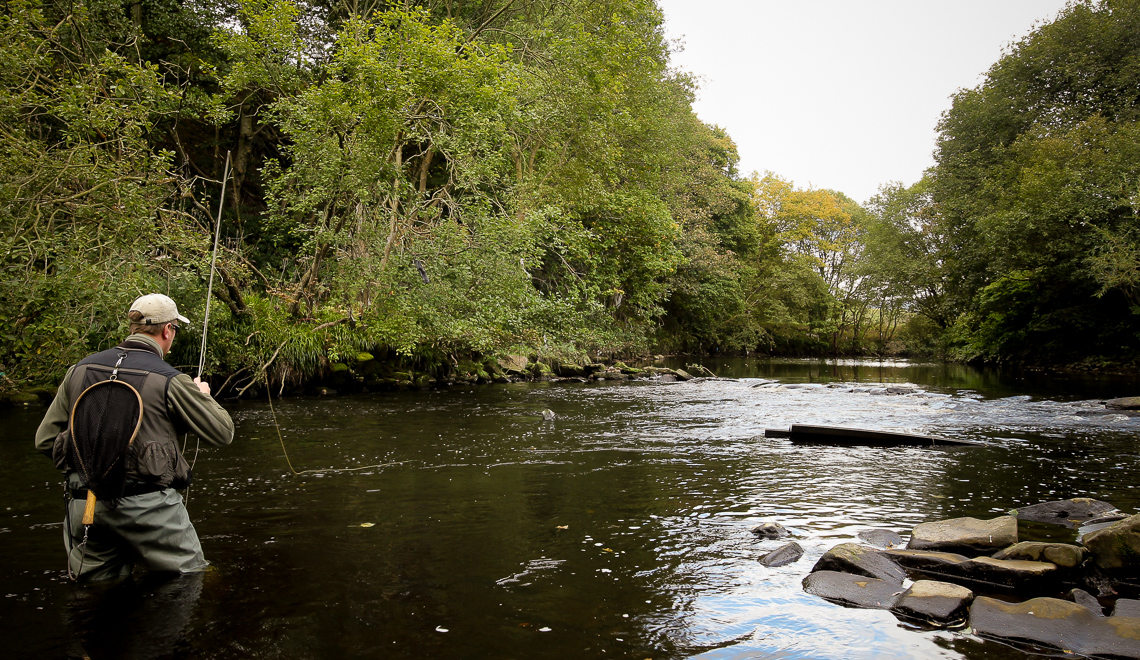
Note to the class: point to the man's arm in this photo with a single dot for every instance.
(56, 419)
(202, 414)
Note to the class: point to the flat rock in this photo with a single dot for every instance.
(860, 560)
(770, 530)
(1064, 555)
(1127, 607)
(934, 603)
(880, 538)
(783, 555)
(1085, 599)
(967, 535)
(853, 590)
(1069, 513)
(1058, 624)
(1123, 403)
(1010, 573)
(1117, 547)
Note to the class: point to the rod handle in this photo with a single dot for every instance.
(89, 510)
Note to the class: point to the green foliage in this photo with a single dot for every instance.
(1033, 194)
(85, 223)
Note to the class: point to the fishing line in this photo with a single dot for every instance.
(206, 317)
(281, 439)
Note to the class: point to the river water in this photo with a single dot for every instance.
(618, 530)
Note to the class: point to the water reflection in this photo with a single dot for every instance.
(618, 530)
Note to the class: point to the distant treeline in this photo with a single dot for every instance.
(438, 180)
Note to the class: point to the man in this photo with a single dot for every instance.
(150, 523)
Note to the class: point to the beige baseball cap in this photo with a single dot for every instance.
(157, 309)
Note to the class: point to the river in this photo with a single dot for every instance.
(618, 530)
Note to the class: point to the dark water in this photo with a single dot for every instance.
(619, 530)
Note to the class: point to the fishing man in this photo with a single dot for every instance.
(149, 523)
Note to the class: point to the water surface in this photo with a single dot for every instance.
(620, 529)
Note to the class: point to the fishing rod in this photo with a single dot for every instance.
(206, 316)
(213, 260)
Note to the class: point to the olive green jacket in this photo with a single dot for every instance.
(186, 407)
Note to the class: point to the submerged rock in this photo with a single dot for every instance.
(1123, 403)
(987, 570)
(1063, 555)
(965, 535)
(880, 538)
(1116, 547)
(785, 554)
(860, 560)
(1058, 624)
(853, 590)
(770, 530)
(1069, 513)
(935, 603)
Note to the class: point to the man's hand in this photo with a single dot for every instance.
(205, 387)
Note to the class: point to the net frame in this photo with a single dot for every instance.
(93, 480)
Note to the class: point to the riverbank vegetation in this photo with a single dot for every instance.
(436, 181)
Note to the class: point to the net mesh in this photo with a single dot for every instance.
(103, 424)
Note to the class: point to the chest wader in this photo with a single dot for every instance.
(104, 421)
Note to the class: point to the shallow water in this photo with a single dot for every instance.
(620, 529)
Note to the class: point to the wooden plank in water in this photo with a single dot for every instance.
(838, 435)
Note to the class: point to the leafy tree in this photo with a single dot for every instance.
(1035, 171)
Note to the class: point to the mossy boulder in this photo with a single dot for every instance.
(1063, 555)
(514, 365)
(571, 370)
(541, 370)
(471, 371)
(1117, 547)
(965, 535)
(1059, 624)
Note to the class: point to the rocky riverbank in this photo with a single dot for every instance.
(1077, 597)
(369, 374)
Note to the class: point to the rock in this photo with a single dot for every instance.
(548, 415)
(1063, 555)
(681, 374)
(1127, 607)
(1085, 599)
(595, 368)
(880, 538)
(783, 555)
(569, 370)
(969, 535)
(540, 370)
(1116, 547)
(860, 560)
(1123, 403)
(853, 590)
(1056, 623)
(986, 570)
(770, 530)
(935, 603)
(1069, 513)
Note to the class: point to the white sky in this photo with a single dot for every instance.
(840, 94)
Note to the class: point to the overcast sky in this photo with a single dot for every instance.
(840, 94)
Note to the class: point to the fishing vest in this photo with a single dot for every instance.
(153, 458)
